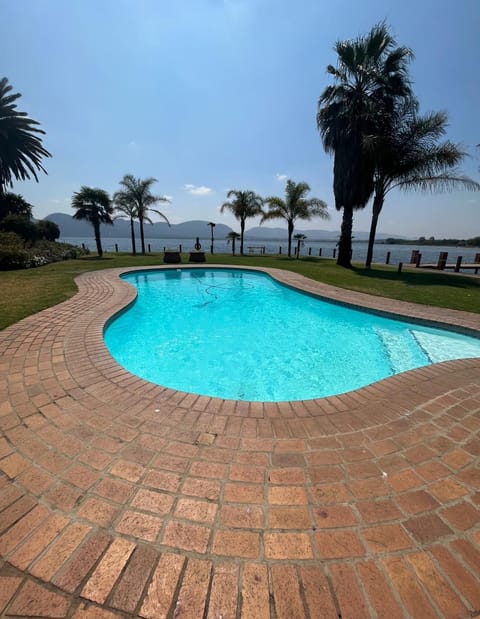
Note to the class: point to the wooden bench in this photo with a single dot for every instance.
(256, 249)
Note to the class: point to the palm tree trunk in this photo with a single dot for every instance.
(132, 235)
(96, 230)
(142, 237)
(242, 230)
(344, 258)
(377, 207)
(290, 232)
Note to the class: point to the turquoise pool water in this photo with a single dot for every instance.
(240, 335)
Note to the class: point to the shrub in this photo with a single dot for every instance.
(14, 255)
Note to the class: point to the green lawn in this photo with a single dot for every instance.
(32, 290)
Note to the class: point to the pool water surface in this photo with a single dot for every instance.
(239, 334)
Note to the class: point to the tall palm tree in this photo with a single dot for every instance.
(128, 210)
(14, 204)
(245, 204)
(407, 156)
(137, 192)
(370, 78)
(21, 149)
(93, 205)
(295, 206)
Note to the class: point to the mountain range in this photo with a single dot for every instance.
(73, 228)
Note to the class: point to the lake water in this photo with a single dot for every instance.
(399, 253)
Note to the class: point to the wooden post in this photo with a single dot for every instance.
(319, 252)
(334, 251)
(387, 260)
(309, 251)
(280, 250)
(149, 248)
(180, 248)
(442, 260)
(458, 264)
(400, 265)
(418, 259)
(116, 248)
(83, 245)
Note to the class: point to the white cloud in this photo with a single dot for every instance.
(63, 201)
(132, 145)
(169, 198)
(198, 190)
(281, 177)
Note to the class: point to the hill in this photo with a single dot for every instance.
(72, 228)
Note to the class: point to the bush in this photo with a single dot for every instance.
(47, 230)
(13, 254)
(21, 225)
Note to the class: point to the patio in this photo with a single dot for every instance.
(119, 498)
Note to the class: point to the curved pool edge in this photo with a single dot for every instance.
(463, 322)
(84, 445)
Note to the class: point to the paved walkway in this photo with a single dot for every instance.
(119, 498)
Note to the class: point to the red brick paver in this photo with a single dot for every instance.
(119, 498)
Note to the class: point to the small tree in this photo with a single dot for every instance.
(93, 205)
(245, 204)
(232, 237)
(300, 238)
(294, 206)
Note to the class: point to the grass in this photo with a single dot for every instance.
(29, 291)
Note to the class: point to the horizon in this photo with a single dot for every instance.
(212, 96)
(298, 228)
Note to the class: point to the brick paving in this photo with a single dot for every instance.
(119, 498)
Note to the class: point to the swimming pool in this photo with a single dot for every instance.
(239, 334)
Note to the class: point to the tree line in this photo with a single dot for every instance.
(368, 119)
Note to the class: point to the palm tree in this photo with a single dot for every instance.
(127, 209)
(93, 205)
(21, 149)
(407, 156)
(245, 204)
(14, 204)
(212, 226)
(137, 192)
(370, 78)
(232, 237)
(295, 206)
(300, 238)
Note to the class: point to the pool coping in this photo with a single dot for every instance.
(453, 320)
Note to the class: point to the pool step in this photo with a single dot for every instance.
(402, 350)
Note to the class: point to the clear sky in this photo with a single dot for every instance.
(210, 95)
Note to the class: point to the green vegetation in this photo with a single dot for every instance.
(370, 82)
(432, 241)
(32, 290)
(21, 149)
(135, 200)
(245, 204)
(93, 205)
(369, 121)
(295, 206)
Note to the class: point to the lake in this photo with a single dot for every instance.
(398, 253)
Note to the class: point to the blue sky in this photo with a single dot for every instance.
(210, 95)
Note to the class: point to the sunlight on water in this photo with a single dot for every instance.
(238, 334)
